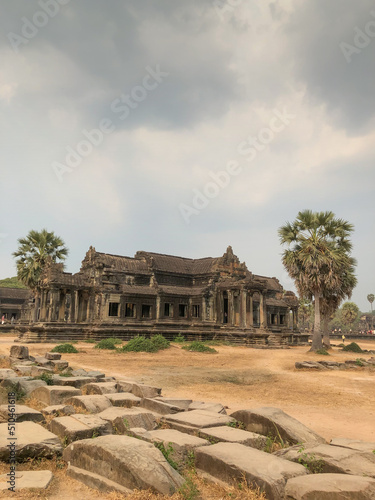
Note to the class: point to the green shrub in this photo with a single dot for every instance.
(353, 347)
(141, 344)
(198, 346)
(64, 348)
(322, 351)
(180, 339)
(106, 344)
(90, 341)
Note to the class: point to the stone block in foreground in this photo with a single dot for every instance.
(228, 434)
(330, 487)
(22, 413)
(353, 444)
(123, 419)
(78, 426)
(54, 394)
(191, 421)
(124, 461)
(333, 459)
(124, 399)
(99, 388)
(37, 479)
(159, 406)
(92, 404)
(273, 421)
(231, 462)
(33, 441)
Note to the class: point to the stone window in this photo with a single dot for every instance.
(130, 310)
(282, 319)
(146, 311)
(168, 309)
(273, 319)
(182, 310)
(195, 311)
(113, 309)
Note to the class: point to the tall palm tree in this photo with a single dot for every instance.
(371, 298)
(332, 298)
(32, 254)
(318, 250)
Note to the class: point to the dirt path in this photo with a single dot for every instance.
(333, 403)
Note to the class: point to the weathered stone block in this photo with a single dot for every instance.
(231, 462)
(353, 444)
(33, 441)
(124, 399)
(99, 388)
(159, 406)
(41, 361)
(58, 410)
(7, 373)
(25, 480)
(214, 407)
(19, 351)
(145, 391)
(330, 487)
(228, 434)
(59, 364)
(52, 355)
(181, 403)
(54, 394)
(36, 371)
(22, 413)
(333, 459)
(122, 419)
(128, 462)
(92, 404)
(77, 426)
(77, 382)
(273, 421)
(196, 419)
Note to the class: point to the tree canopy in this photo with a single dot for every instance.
(318, 260)
(33, 252)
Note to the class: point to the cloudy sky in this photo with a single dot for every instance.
(183, 127)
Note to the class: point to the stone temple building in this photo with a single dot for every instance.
(151, 293)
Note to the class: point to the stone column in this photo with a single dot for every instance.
(203, 315)
(157, 311)
(36, 308)
(251, 310)
(230, 308)
(262, 311)
(43, 305)
(243, 313)
(62, 306)
(295, 318)
(76, 305)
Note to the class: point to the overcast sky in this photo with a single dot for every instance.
(118, 120)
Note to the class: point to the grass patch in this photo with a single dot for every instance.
(323, 352)
(353, 347)
(141, 344)
(90, 341)
(198, 346)
(64, 348)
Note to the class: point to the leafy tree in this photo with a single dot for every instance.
(33, 252)
(318, 251)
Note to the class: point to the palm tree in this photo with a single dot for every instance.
(332, 298)
(318, 252)
(33, 252)
(371, 298)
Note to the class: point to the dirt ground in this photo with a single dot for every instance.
(332, 403)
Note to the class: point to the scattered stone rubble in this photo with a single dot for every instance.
(112, 434)
(349, 364)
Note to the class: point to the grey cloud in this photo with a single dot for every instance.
(315, 32)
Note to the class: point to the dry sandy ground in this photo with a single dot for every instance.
(333, 403)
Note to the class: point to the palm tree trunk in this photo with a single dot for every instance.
(326, 339)
(317, 336)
